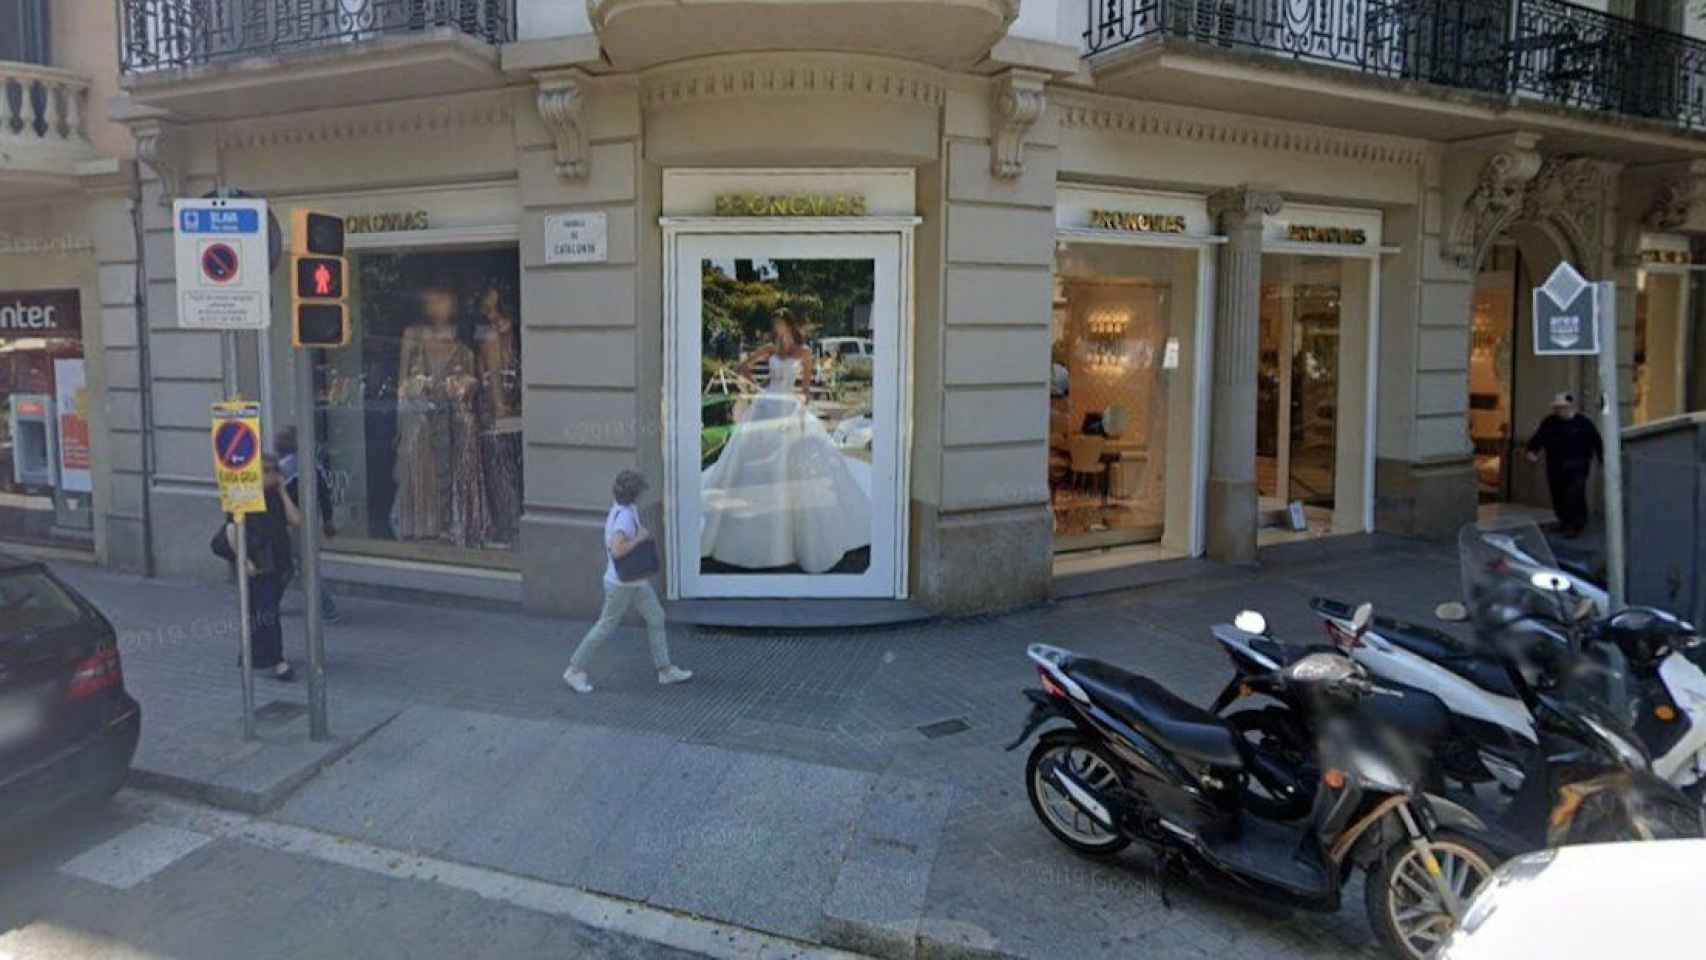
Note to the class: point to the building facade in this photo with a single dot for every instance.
(71, 446)
(911, 301)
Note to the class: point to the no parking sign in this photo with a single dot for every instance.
(222, 264)
(237, 456)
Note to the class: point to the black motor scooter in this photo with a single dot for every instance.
(1138, 763)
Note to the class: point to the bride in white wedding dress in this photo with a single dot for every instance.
(780, 494)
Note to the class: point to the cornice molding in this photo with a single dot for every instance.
(367, 123)
(793, 75)
(1080, 111)
(1019, 100)
(562, 103)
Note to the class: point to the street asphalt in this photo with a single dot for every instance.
(839, 788)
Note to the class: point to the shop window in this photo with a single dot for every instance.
(45, 449)
(421, 414)
(1661, 346)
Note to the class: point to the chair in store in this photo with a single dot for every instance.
(1086, 463)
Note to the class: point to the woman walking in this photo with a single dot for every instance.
(623, 534)
(270, 567)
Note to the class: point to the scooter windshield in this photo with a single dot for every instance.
(1498, 564)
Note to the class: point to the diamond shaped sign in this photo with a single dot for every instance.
(1564, 285)
(1566, 314)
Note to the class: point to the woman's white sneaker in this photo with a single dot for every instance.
(669, 675)
(577, 681)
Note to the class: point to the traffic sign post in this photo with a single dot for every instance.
(223, 270)
(1575, 317)
(237, 466)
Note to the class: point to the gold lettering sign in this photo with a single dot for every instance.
(1674, 257)
(1137, 222)
(1303, 233)
(790, 205)
(386, 222)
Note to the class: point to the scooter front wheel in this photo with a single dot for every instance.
(1092, 765)
(1405, 906)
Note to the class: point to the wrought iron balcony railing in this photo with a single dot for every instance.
(163, 34)
(1549, 50)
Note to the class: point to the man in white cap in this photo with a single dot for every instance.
(1571, 445)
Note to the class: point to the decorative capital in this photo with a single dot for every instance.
(160, 146)
(1237, 207)
(1019, 101)
(1497, 198)
(562, 106)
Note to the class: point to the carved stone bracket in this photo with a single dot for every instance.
(1019, 101)
(1493, 204)
(562, 106)
(1678, 202)
(160, 145)
(1238, 207)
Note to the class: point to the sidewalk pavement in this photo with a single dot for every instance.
(845, 788)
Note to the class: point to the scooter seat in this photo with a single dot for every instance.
(1176, 725)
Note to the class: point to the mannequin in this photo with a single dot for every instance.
(440, 487)
(500, 440)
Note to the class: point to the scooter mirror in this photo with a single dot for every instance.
(1452, 612)
(1550, 581)
(1363, 616)
(1250, 621)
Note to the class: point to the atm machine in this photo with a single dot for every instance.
(35, 440)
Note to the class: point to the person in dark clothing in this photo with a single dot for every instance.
(270, 567)
(288, 463)
(1571, 444)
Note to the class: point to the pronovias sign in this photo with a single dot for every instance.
(790, 205)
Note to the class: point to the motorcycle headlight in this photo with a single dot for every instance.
(1630, 754)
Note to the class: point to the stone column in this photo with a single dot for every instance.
(1237, 317)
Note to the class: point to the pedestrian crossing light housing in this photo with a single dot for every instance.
(319, 273)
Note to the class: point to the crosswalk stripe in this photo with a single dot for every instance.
(134, 855)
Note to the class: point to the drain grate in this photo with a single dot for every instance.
(279, 711)
(944, 728)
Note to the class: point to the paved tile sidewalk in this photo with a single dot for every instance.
(755, 793)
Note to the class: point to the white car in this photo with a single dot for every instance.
(1594, 901)
(852, 354)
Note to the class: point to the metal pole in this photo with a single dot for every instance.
(1612, 437)
(308, 482)
(245, 655)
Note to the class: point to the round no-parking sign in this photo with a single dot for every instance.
(219, 263)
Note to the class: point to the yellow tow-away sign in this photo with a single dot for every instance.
(237, 456)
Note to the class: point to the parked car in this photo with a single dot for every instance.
(852, 355)
(1593, 900)
(68, 727)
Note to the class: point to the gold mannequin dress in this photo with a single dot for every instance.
(500, 441)
(441, 492)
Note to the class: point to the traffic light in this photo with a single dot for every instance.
(319, 313)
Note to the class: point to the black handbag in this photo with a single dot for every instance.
(220, 546)
(638, 563)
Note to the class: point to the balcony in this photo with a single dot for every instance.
(213, 59)
(1499, 52)
(43, 142)
(640, 33)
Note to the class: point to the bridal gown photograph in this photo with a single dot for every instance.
(787, 425)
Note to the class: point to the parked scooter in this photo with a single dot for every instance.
(1138, 763)
(1506, 577)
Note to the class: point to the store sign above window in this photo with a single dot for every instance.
(393, 222)
(41, 313)
(1137, 222)
(1680, 258)
(790, 205)
(1307, 233)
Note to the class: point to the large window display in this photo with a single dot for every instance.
(46, 460)
(1120, 395)
(1661, 345)
(787, 445)
(422, 413)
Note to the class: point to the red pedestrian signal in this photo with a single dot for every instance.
(319, 315)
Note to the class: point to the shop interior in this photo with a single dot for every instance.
(1311, 395)
(45, 480)
(1491, 371)
(1120, 412)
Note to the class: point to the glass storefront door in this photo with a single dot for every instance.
(786, 433)
(1120, 395)
(1661, 345)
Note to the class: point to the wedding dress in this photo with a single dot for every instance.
(780, 494)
